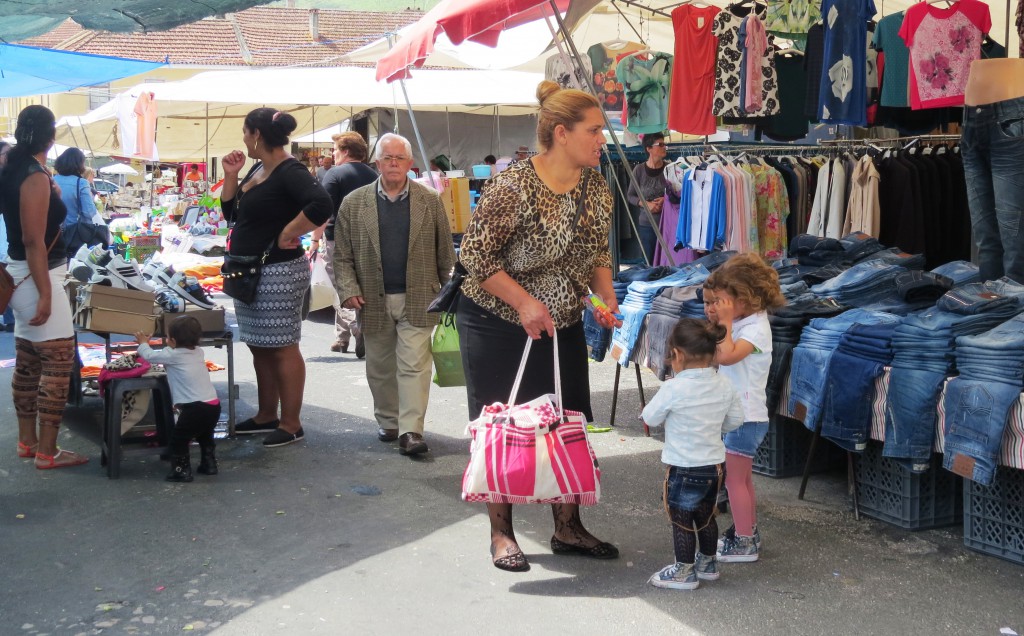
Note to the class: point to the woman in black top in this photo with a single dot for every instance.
(43, 334)
(275, 204)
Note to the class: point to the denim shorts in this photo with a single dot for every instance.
(746, 439)
(686, 488)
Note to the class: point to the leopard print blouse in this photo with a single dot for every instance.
(525, 229)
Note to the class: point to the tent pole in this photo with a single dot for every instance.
(1006, 34)
(206, 149)
(87, 144)
(416, 132)
(615, 138)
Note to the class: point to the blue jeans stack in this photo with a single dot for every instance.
(638, 303)
(977, 403)
(915, 291)
(866, 282)
(671, 304)
(923, 356)
(960, 272)
(811, 358)
(862, 355)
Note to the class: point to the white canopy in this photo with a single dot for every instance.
(202, 116)
(118, 168)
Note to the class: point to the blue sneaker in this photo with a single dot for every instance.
(730, 533)
(706, 567)
(738, 549)
(678, 576)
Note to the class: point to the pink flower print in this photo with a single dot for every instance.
(937, 71)
(960, 39)
(773, 222)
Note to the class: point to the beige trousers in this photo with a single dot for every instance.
(346, 325)
(398, 367)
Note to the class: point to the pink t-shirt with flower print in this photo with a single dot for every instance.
(943, 42)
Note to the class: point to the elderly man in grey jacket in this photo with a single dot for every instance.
(393, 253)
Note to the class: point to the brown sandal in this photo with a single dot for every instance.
(61, 459)
(24, 450)
(515, 562)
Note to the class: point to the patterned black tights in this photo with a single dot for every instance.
(684, 539)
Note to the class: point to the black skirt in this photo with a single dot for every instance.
(492, 349)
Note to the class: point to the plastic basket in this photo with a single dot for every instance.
(482, 171)
(783, 453)
(915, 501)
(994, 515)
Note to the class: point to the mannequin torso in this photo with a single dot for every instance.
(995, 80)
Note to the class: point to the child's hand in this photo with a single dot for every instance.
(725, 309)
(141, 337)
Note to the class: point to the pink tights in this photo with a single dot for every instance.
(739, 481)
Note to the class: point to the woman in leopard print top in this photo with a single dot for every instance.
(530, 262)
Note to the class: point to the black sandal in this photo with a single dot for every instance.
(602, 550)
(511, 563)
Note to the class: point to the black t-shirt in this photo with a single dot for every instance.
(14, 176)
(339, 182)
(261, 213)
(814, 60)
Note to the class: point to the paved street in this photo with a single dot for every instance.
(339, 534)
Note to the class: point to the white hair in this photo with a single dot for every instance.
(389, 137)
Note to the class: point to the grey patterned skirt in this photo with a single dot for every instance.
(274, 319)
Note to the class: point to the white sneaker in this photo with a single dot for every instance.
(128, 271)
(79, 270)
(82, 255)
(170, 301)
(98, 256)
(100, 276)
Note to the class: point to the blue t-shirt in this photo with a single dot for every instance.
(842, 97)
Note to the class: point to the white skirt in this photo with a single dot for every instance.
(26, 298)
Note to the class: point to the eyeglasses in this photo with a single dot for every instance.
(394, 158)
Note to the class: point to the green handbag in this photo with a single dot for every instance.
(447, 356)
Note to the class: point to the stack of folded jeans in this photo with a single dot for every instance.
(862, 355)
(811, 358)
(598, 337)
(896, 256)
(923, 356)
(797, 292)
(637, 306)
(814, 250)
(915, 291)
(960, 272)
(787, 323)
(866, 282)
(977, 403)
(666, 309)
(858, 246)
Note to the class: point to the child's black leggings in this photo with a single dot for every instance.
(685, 540)
(196, 420)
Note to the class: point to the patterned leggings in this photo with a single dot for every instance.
(42, 379)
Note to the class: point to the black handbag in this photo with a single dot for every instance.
(84, 232)
(242, 274)
(449, 294)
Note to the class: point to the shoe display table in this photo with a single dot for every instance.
(224, 339)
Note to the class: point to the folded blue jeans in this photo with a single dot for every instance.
(976, 413)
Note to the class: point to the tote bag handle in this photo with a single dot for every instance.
(558, 376)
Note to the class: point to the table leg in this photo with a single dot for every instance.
(232, 390)
(643, 400)
(615, 393)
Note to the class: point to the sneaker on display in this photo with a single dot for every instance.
(160, 274)
(678, 576)
(188, 287)
(98, 257)
(82, 255)
(79, 270)
(100, 276)
(706, 567)
(169, 301)
(739, 549)
(152, 267)
(730, 534)
(128, 271)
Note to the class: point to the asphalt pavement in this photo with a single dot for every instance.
(339, 534)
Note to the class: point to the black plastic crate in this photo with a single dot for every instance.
(916, 501)
(783, 453)
(994, 515)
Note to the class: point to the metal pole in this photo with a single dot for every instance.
(615, 139)
(415, 126)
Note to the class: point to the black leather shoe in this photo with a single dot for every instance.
(412, 444)
(387, 434)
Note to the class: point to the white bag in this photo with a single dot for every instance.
(322, 293)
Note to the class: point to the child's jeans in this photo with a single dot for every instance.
(196, 420)
(691, 495)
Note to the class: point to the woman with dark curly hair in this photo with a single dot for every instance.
(43, 334)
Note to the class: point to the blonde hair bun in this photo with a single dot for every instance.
(545, 90)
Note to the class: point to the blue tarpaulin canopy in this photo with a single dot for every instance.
(26, 70)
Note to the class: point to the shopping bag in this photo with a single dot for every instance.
(322, 293)
(447, 356)
(535, 452)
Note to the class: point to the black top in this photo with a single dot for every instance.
(789, 124)
(339, 182)
(263, 212)
(393, 228)
(10, 203)
(814, 60)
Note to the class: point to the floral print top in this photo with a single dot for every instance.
(943, 43)
(792, 19)
(772, 210)
(727, 73)
(646, 87)
(603, 59)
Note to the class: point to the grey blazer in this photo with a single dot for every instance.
(357, 268)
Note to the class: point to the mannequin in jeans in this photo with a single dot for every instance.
(994, 164)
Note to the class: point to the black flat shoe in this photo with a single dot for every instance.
(511, 563)
(250, 427)
(602, 550)
(281, 437)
